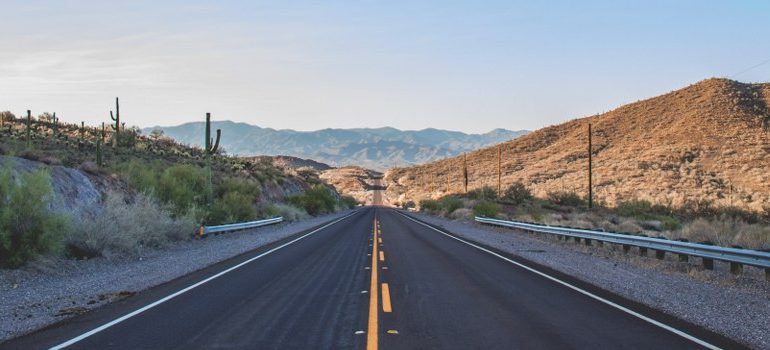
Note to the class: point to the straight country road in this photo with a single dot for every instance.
(376, 278)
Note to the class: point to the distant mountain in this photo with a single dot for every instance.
(379, 148)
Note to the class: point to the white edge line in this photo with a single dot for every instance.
(578, 289)
(185, 290)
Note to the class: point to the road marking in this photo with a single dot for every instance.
(382, 256)
(578, 289)
(386, 298)
(185, 290)
(379, 240)
(371, 339)
(392, 331)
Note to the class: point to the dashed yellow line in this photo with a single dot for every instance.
(386, 298)
(382, 256)
(371, 339)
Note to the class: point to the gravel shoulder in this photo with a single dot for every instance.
(735, 306)
(50, 290)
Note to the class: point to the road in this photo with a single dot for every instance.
(375, 279)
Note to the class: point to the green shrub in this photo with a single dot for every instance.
(430, 205)
(486, 209)
(409, 205)
(231, 207)
(517, 194)
(485, 192)
(27, 227)
(316, 200)
(182, 186)
(669, 223)
(450, 204)
(348, 202)
(569, 199)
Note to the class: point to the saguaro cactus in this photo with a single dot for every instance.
(99, 158)
(104, 133)
(81, 135)
(116, 127)
(29, 129)
(211, 148)
(590, 170)
(54, 126)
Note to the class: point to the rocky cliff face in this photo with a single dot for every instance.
(708, 141)
(74, 191)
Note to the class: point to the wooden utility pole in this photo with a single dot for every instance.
(499, 170)
(465, 173)
(447, 181)
(590, 170)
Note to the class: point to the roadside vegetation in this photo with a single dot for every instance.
(696, 221)
(154, 191)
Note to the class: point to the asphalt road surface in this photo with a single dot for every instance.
(376, 278)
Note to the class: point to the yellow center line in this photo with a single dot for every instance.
(386, 298)
(382, 256)
(371, 340)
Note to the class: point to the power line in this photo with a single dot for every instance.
(750, 68)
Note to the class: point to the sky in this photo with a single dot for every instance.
(470, 66)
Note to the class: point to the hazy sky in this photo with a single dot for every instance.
(462, 65)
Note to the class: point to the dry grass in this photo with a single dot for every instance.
(126, 227)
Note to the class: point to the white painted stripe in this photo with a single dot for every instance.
(578, 289)
(185, 290)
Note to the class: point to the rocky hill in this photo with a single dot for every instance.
(379, 148)
(707, 142)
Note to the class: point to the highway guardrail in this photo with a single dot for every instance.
(737, 257)
(205, 230)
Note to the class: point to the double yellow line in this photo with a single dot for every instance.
(372, 332)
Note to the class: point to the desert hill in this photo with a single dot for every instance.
(706, 142)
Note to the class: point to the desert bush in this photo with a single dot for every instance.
(316, 200)
(486, 209)
(450, 204)
(288, 212)
(408, 205)
(702, 230)
(565, 198)
(462, 214)
(485, 192)
(517, 194)
(430, 205)
(27, 227)
(126, 226)
(348, 202)
(182, 186)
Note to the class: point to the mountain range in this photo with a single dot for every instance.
(374, 148)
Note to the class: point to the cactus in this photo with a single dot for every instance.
(29, 129)
(104, 132)
(99, 153)
(116, 127)
(81, 132)
(210, 149)
(54, 125)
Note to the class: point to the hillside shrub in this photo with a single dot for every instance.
(485, 192)
(486, 209)
(125, 227)
(430, 205)
(316, 200)
(517, 194)
(569, 199)
(27, 227)
(348, 202)
(450, 204)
